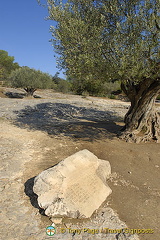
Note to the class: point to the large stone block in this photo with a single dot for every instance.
(75, 187)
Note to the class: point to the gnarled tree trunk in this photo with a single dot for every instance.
(142, 121)
(30, 91)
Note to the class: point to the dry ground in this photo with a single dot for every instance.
(28, 148)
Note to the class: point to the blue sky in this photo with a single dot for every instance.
(24, 34)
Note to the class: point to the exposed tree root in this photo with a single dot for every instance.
(146, 132)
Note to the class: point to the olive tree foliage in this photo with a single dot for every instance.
(102, 40)
(79, 44)
(7, 65)
(30, 79)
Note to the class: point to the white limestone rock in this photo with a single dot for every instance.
(75, 187)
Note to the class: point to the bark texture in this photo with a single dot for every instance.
(142, 121)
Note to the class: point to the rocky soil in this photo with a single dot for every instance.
(35, 134)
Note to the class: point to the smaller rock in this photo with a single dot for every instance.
(56, 220)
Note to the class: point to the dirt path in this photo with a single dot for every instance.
(26, 152)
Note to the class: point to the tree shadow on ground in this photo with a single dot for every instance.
(18, 95)
(28, 189)
(15, 95)
(59, 119)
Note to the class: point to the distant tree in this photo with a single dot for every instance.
(30, 79)
(56, 79)
(7, 65)
(62, 85)
(101, 40)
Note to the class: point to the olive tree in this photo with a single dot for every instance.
(7, 65)
(102, 40)
(30, 79)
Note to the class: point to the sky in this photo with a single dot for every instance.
(24, 34)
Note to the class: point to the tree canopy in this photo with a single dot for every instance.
(7, 64)
(102, 40)
(30, 79)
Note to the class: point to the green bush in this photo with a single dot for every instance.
(94, 87)
(109, 87)
(85, 94)
(63, 86)
(111, 96)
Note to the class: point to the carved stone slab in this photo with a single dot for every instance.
(75, 187)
